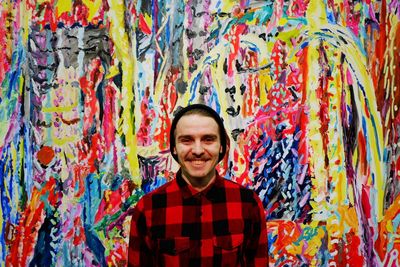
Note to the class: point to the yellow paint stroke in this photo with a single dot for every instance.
(123, 53)
(375, 135)
(63, 6)
(319, 179)
(58, 109)
(266, 82)
(336, 153)
(316, 14)
(93, 6)
(112, 72)
(149, 20)
(64, 141)
(314, 244)
(25, 16)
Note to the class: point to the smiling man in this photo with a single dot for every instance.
(199, 218)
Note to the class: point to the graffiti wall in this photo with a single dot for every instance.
(308, 89)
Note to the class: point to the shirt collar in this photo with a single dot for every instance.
(188, 191)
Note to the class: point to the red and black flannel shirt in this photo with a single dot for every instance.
(175, 225)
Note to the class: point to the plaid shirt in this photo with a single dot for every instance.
(175, 225)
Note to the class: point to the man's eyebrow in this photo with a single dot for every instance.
(204, 136)
(210, 136)
(184, 136)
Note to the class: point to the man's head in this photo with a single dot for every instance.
(198, 140)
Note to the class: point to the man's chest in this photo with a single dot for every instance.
(198, 218)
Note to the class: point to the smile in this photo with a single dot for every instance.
(198, 162)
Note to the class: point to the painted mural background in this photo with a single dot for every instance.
(308, 89)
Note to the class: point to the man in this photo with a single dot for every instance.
(199, 218)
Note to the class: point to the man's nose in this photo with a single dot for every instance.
(197, 148)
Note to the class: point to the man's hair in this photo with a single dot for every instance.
(202, 110)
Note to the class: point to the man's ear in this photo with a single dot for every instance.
(228, 144)
(174, 151)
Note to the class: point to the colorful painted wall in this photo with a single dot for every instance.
(309, 91)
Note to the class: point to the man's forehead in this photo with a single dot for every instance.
(189, 125)
(196, 119)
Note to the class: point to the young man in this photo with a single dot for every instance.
(199, 218)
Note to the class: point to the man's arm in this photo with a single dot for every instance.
(139, 254)
(257, 250)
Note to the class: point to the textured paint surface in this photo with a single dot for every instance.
(309, 91)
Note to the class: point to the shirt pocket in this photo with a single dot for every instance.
(173, 251)
(229, 249)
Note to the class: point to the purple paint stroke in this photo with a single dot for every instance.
(14, 123)
(304, 199)
(394, 7)
(207, 12)
(300, 179)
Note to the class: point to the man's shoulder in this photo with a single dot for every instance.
(245, 192)
(233, 184)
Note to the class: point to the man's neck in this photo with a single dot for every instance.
(199, 184)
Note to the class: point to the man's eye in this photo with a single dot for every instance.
(209, 139)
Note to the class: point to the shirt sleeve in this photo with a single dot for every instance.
(257, 248)
(139, 254)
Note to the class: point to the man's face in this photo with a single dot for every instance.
(197, 146)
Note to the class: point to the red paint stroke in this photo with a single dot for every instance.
(22, 245)
(365, 201)
(144, 135)
(81, 12)
(386, 235)
(5, 43)
(234, 38)
(167, 105)
(247, 142)
(45, 15)
(298, 8)
(238, 11)
(90, 152)
(89, 84)
(352, 17)
(377, 55)
(76, 233)
(351, 255)
(346, 249)
(81, 171)
(252, 94)
(303, 119)
(45, 155)
(363, 154)
(143, 25)
(112, 201)
(287, 233)
(117, 256)
(109, 120)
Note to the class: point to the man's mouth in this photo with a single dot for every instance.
(197, 161)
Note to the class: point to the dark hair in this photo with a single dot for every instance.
(204, 111)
